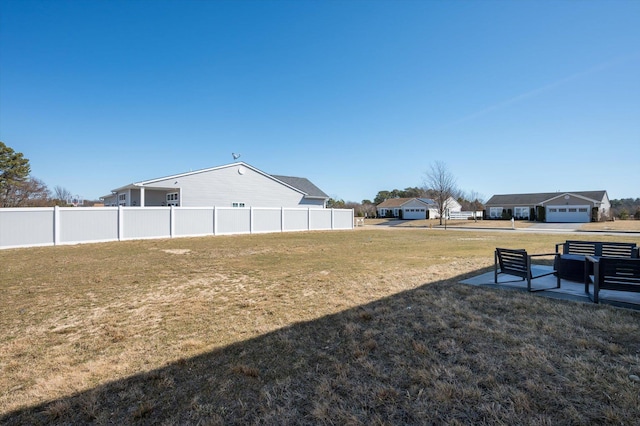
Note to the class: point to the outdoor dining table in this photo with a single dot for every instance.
(576, 268)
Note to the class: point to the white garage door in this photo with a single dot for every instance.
(577, 214)
(414, 214)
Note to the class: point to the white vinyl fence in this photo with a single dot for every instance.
(464, 215)
(27, 227)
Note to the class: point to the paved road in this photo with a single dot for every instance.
(554, 227)
(544, 228)
(534, 227)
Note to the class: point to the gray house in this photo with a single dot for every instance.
(231, 185)
(580, 206)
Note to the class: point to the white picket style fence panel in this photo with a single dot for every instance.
(45, 226)
(463, 215)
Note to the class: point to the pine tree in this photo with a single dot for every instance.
(14, 171)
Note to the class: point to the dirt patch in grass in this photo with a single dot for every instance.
(303, 328)
(176, 251)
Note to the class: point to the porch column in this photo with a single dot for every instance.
(142, 196)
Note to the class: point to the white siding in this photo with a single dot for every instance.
(414, 209)
(224, 186)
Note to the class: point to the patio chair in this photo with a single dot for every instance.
(518, 263)
(572, 265)
(614, 273)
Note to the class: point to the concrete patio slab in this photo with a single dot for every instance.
(569, 290)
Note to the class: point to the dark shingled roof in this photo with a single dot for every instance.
(394, 202)
(303, 184)
(532, 199)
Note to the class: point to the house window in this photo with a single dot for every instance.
(495, 212)
(521, 212)
(237, 204)
(573, 210)
(122, 199)
(582, 210)
(173, 199)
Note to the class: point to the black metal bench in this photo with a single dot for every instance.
(518, 263)
(614, 273)
(571, 264)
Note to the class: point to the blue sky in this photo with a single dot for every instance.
(357, 96)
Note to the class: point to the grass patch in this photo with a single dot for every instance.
(369, 326)
(609, 226)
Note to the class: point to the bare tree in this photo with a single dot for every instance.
(62, 194)
(29, 193)
(368, 208)
(473, 202)
(364, 209)
(441, 184)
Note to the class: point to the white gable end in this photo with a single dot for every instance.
(232, 185)
(227, 185)
(414, 203)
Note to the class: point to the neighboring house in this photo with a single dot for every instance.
(414, 208)
(231, 185)
(582, 206)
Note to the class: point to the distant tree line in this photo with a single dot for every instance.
(18, 188)
(626, 208)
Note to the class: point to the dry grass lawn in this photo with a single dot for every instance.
(350, 327)
(618, 226)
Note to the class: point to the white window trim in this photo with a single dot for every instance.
(518, 212)
(173, 199)
(495, 212)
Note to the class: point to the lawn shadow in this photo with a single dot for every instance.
(441, 353)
